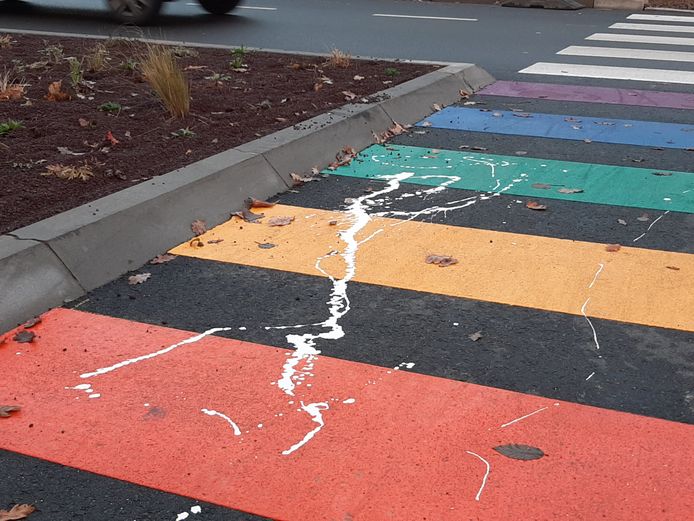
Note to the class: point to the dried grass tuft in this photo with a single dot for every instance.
(339, 59)
(165, 76)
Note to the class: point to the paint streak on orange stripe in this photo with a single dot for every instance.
(522, 270)
(399, 452)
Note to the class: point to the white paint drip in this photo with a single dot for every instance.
(590, 323)
(486, 474)
(349, 401)
(196, 509)
(314, 410)
(651, 226)
(237, 431)
(182, 516)
(406, 365)
(597, 274)
(523, 417)
(591, 375)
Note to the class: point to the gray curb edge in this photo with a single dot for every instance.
(61, 258)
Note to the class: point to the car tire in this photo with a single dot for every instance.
(219, 6)
(138, 12)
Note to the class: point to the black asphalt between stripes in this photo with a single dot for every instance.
(63, 493)
(562, 220)
(644, 370)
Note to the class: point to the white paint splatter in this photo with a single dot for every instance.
(523, 417)
(95, 395)
(237, 431)
(314, 410)
(349, 401)
(597, 274)
(182, 516)
(486, 474)
(590, 376)
(196, 509)
(651, 226)
(590, 323)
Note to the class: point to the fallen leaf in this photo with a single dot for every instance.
(349, 95)
(138, 278)
(570, 190)
(464, 94)
(111, 139)
(613, 247)
(215, 241)
(317, 87)
(426, 124)
(16, 512)
(301, 179)
(12, 93)
(162, 259)
(252, 202)
(31, 323)
(67, 152)
(541, 186)
(358, 78)
(643, 218)
(24, 337)
(622, 222)
(442, 261)
(196, 242)
(673, 268)
(533, 205)
(662, 174)
(266, 245)
(6, 411)
(332, 223)
(280, 221)
(198, 227)
(436, 107)
(55, 92)
(521, 452)
(248, 216)
(84, 122)
(475, 336)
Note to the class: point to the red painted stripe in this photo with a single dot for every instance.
(404, 450)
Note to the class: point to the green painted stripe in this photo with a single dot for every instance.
(601, 184)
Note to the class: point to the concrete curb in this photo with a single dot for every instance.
(63, 257)
(627, 5)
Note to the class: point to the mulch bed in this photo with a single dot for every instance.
(228, 108)
(672, 4)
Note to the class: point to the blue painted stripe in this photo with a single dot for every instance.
(577, 128)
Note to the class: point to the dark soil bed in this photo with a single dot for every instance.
(228, 107)
(672, 4)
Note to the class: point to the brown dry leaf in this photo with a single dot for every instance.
(317, 87)
(248, 216)
(542, 186)
(301, 179)
(31, 323)
(138, 278)
(252, 202)
(214, 241)
(6, 411)
(643, 218)
(84, 122)
(111, 139)
(441, 261)
(55, 92)
(613, 247)
(69, 172)
(349, 95)
(17, 512)
(198, 227)
(332, 223)
(475, 336)
(464, 94)
(533, 205)
(162, 259)
(675, 268)
(280, 221)
(24, 337)
(436, 107)
(12, 93)
(570, 190)
(196, 243)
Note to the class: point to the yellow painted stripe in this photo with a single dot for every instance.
(635, 284)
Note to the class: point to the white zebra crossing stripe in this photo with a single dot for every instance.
(640, 38)
(654, 27)
(661, 18)
(631, 54)
(612, 73)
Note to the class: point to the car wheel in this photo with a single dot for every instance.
(218, 6)
(134, 11)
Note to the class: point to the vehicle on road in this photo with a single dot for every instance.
(144, 11)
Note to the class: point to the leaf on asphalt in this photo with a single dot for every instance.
(436, 107)
(298, 180)
(266, 245)
(349, 95)
(196, 242)
(198, 227)
(31, 323)
(643, 218)
(17, 512)
(248, 216)
(622, 222)
(252, 202)
(534, 205)
(570, 190)
(442, 261)
(520, 452)
(24, 337)
(674, 268)
(541, 186)
(138, 278)
(662, 174)
(464, 94)
(613, 247)
(280, 221)
(475, 336)
(7, 410)
(162, 259)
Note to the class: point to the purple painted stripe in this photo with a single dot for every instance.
(554, 91)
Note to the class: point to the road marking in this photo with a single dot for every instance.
(242, 7)
(425, 17)
(661, 18)
(516, 269)
(370, 458)
(560, 126)
(611, 73)
(590, 94)
(630, 54)
(640, 38)
(654, 27)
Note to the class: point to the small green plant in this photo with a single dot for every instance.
(237, 63)
(110, 107)
(130, 64)
(96, 60)
(215, 76)
(239, 51)
(185, 52)
(76, 74)
(8, 126)
(54, 53)
(183, 132)
(391, 72)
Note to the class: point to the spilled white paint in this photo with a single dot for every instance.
(182, 516)
(591, 375)
(523, 417)
(237, 431)
(486, 474)
(406, 365)
(349, 401)
(597, 274)
(196, 509)
(651, 226)
(313, 410)
(590, 323)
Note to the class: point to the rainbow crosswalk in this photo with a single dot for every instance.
(318, 364)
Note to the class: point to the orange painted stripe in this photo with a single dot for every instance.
(635, 285)
(407, 448)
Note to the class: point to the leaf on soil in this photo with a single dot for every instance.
(198, 227)
(349, 95)
(613, 247)
(67, 152)
(475, 336)
(358, 78)
(280, 221)
(12, 93)
(570, 190)
(252, 202)
(662, 174)
(31, 323)
(675, 268)
(266, 245)
(643, 218)
(317, 87)
(533, 205)
(6, 411)
(138, 278)
(69, 172)
(84, 122)
(520, 452)
(248, 216)
(442, 261)
(622, 222)
(162, 259)
(541, 186)
(109, 137)
(55, 92)
(24, 337)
